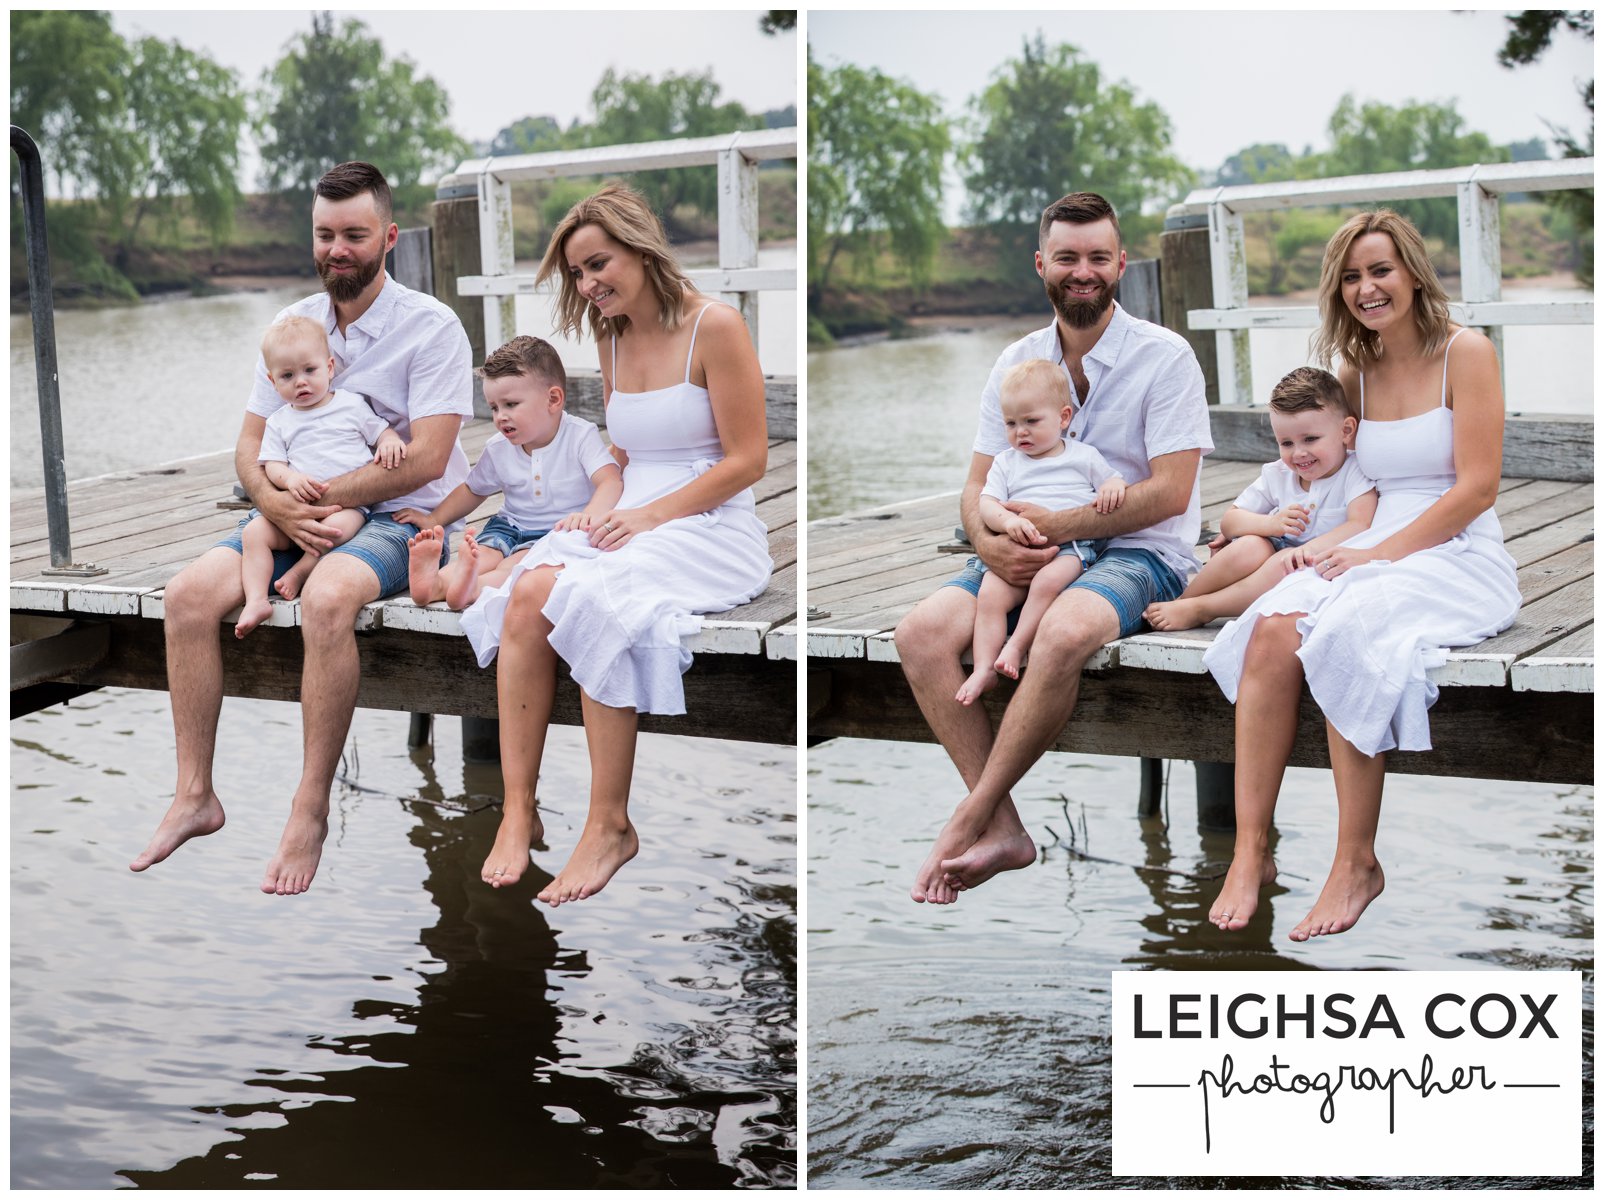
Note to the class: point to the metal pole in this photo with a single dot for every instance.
(41, 301)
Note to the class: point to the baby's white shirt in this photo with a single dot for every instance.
(326, 441)
(1278, 486)
(1056, 482)
(547, 484)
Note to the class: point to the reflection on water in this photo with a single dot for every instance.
(968, 1045)
(401, 1025)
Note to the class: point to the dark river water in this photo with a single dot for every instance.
(401, 1024)
(968, 1046)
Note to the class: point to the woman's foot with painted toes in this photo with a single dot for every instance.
(509, 857)
(1238, 900)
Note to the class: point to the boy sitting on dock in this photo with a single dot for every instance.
(1042, 467)
(1311, 498)
(551, 467)
(318, 434)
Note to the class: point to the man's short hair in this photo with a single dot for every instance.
(1309, 388)
(352, 179)
(526, 355)
(1079, 208)
(289, 330)
(1038, 375)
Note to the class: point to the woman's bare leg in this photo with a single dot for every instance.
(1355, 879)
(526, 682)
(609, 840)
(1266, 725)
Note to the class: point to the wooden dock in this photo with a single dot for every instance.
(1518, 706)
(144, 526)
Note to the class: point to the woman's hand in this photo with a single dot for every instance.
(616, 528)
(1341, 559)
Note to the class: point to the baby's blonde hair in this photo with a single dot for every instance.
(1037, 374)
(288, 331)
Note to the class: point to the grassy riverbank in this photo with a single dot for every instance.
(271, 239)
(970, 279)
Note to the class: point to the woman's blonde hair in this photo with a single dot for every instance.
(1340, 334)
(623, 214)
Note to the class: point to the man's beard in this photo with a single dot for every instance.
(344, 288)
(1078, 313)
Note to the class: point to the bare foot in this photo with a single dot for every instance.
(1348, 892)
(601, 851)
(1008, 661)
(991, 854)
(251, 616)
(931, 886)
(182, 822)
(1177, 614)
(291, 870)
(981, 681)
(463, 589)
(1238, 900)
(289, 584)
(423, 565)
(509, 857)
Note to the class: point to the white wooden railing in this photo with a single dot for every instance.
(1477, 189)
(737, 279)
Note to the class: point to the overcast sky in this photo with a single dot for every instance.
(500, 66)
(1229, 79)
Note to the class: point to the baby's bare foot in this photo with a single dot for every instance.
(1172, 615)
(977, 685)
(252, 615)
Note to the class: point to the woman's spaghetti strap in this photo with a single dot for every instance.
(1361, 388)
(1442, 401)
(692, 350)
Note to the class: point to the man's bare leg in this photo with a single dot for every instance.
(1266, 726)
(334, 594)
(930, 643)
(609, 840)
(969, 850)
(195, 604)
(1355, 879)
(526, 683)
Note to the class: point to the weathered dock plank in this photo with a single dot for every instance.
(145, 526)
(1149, 695)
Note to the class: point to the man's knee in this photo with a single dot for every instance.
(939, 625)
(205, 591)
(334, 594)
(1079, 624)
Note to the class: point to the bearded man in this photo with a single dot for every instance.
(1140, 402)
(407, 354)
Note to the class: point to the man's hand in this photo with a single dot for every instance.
(1012, 563)
(301, 523)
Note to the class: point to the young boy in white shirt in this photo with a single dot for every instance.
(317, 435)
(552, 468)
(1311, 498)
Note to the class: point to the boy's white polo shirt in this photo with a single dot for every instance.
(550, 482)
(409, 357)
(1145, 399)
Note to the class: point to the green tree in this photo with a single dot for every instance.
(876, 147)
(636, 108)
(778, 20)
(1048, 124)
(70, 113)
(1370, 138)
(334, 96)
(1530, 35)
(532, 135)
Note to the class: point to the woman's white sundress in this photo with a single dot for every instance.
(1371, 634)
(619, 618)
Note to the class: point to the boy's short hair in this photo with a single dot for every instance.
(1309, 388)
(1039, 373)
(526, 355)
(290, 329)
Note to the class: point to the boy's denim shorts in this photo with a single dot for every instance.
(502, 535)
(1128, 578)
(381, 543)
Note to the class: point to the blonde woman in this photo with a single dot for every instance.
(685, 405)
(1366, 622)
